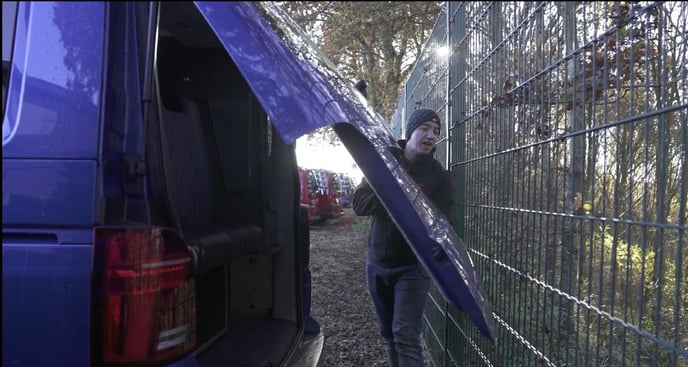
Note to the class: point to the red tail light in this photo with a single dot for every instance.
(144, 305)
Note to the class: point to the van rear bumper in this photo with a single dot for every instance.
(189, 361)
(308, 353)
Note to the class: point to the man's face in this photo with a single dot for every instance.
(423, 138)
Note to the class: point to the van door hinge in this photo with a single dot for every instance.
(134, 169)
(135, 166)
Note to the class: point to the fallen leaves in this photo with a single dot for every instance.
(340, 299)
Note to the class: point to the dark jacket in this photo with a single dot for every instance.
(386, 245)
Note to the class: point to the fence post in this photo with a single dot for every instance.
(456, 102)
(457, 110)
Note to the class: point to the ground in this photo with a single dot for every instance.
(340, 297)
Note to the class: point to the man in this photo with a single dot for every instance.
(396, 281)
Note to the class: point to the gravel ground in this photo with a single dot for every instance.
(340, 297)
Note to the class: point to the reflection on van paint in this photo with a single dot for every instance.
(61, 82)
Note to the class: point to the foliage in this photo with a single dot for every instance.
(374, 41)
(631, 268)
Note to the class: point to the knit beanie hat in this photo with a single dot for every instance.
(418, 117)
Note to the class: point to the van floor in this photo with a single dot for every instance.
(251, 344)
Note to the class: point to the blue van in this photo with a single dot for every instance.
(151, 207)
(151, 212)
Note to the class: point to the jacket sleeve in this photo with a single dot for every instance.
(365, 202)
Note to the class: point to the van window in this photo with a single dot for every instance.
(9, 15)
(53, 102)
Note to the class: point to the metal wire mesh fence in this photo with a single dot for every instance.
(566, 131)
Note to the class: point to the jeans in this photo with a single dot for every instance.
(399, 296)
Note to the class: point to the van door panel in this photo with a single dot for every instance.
(36, 192)
(45, 303)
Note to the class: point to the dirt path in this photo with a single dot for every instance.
(340, 297)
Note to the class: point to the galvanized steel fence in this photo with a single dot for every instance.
(565, 127)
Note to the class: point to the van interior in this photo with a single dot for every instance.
(222, 176)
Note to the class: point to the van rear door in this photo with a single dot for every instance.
(302, 91)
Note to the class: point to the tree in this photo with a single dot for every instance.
(375, 41)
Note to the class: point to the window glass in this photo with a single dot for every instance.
(9, 14)
(55, 78)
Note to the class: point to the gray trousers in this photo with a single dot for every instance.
(399, 296)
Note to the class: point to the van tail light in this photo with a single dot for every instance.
(143, 297)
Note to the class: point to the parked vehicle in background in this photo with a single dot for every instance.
(151, 211)
(309, 193)
(329, 200)
(346, 188)
(337, 186)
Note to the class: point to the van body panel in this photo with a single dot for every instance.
(45, 302)
(35, 192)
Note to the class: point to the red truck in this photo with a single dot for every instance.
(329, 196)
(309, 193)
